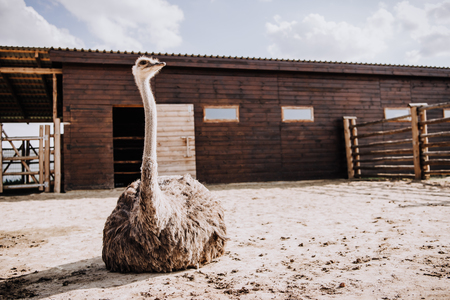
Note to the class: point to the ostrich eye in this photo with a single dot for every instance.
(143, 62)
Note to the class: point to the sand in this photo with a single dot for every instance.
(327, 239)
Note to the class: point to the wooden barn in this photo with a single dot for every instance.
(222, 119)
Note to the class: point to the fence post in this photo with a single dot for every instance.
(1, 158)
(415, 141)
(348, 146)
(47, 158)
(57, 155)
(424, 130)
(41, 157)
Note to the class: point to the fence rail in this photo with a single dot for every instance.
(364, 159)
(23, 156)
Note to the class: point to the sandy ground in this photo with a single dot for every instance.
(288, 240)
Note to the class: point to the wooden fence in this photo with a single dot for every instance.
(400, 146)
(27, 153)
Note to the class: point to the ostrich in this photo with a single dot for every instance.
(165, 224)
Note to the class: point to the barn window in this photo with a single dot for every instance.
(395, 112)
(446, 113)
(297, 114)
(228, 113)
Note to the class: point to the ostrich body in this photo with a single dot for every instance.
(161, 225)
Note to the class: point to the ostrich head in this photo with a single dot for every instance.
(145, 68)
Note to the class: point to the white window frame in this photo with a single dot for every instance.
(297, 120)
(236, 107)
(407, 110)
(446, 113)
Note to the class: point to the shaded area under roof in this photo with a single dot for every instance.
(26, 84)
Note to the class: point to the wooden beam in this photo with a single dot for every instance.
(37, 58)
(14, 95)
(47, 158)
(354, 143)
(41, 157)
(1, 158)
(55, 99)
(348, 148)
(41, 71)
(423, 131)
(57, 155)
(416, 142)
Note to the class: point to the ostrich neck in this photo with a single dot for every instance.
(152, 205)
(150, 121)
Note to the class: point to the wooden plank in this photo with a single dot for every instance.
(57, 155)
(22, 186)
(387, 158)
(20, 173)
(438, 172)
(387, 132)
(348, 148)
(434, 106)
(389, 167)
(47, 158)
(434, 162)
(40, 71)
(436, 144)
(416, 142)
(1, 158)
(386, 143)
(437, 153)
(435, 121)
(41, 157)
(21, 158)
(432, 135)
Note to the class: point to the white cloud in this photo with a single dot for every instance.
(143, 25)
(319, 39)
(417, 34)
(21, 25)
(429, 27)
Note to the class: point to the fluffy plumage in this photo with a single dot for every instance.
(165, 224)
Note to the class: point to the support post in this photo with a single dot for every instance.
(1, 158)
(415, 142)
(47, 158)
(57, 155)
(41, 157)
(355, 143)
(424, 130)
(55, 98)
(348, 147)
(24, 163)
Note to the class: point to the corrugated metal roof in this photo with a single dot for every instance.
(244, 58)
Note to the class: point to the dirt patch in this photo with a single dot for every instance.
(288, 240)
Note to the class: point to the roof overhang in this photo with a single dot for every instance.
(28, 85)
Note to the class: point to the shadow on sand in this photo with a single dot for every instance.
(84, 274)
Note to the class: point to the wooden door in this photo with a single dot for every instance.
(176, 141)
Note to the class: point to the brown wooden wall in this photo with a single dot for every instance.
(258, 148)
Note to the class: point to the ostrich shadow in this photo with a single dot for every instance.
(84, 274)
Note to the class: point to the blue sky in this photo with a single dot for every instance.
(414, 32)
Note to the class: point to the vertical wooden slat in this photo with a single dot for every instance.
(24, 162)
(348, 147)
(1, 158)
(424, 130)
(355, 143)
(415, 142)
(47, 158)
(41, 157)
(57, 155)
(55, 98)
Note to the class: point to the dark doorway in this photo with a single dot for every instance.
(128, 135)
